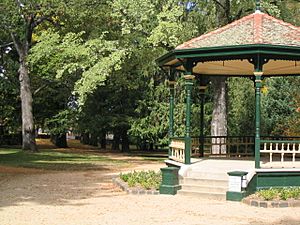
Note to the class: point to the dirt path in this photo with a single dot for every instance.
(39, 197)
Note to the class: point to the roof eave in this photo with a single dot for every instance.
(227, 52)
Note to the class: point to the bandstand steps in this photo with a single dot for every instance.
(201, 194)
(204, 188)
(209, 176)
(204, 182)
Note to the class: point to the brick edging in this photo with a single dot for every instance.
(271, 204)
(135, 191)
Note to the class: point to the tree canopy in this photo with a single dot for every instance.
(91, 68)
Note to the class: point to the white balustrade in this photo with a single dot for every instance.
(177, 149)
(283, 148)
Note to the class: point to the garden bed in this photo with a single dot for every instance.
(275, 198)
(143, 182)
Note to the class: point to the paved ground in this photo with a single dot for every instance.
(34, 197)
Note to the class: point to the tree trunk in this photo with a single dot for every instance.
(85, 138)
(125, 142)
(219, 116)
(28, 130)
(116, 142)
(94, 140)
(59, 140)
(103, 140)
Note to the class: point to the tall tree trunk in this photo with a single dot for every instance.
(125, 141)
(94, 140)
(85, 138)
(28, 129)
(103, 140)
(116, 141)
(219, 116)
(59, 140)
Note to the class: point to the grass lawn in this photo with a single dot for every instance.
(55, 160)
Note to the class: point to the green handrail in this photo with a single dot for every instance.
(280, 141)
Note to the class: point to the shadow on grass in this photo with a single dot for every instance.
(69, 177)
(53, 160)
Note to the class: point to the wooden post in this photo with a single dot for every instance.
(188, 141)
(258, 86)
(258, 5)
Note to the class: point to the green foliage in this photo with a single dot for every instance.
(268, 194)
(87, 63)
(61, 123)
(278, 105)
(146, 179)
(241, 106)
(103, 54)
(280, 193)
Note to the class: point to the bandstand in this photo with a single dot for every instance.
(256, 46)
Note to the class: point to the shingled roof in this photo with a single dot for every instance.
(256, 28)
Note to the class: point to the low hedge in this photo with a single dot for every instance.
(145, 179)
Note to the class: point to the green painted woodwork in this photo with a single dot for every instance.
(233, 52)
(238, 196)
(188, 141)
(170, 182)
(265, 180)
(187, 150)
(258, 5)
(251, 187)
(237, 173)
(235, 196)
(257, 119)
(280, 141)
(277, 179)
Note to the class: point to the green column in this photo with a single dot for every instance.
(188, 141)
(171, 112)
(257, 5)
(258, 86)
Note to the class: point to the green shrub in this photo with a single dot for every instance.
(146, 179)
(287, 193)
(268, 194)
(280, 193)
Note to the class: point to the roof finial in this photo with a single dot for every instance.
(257, 6)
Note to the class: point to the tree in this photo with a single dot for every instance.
(9, 88)
(278, 104)
(20, 19)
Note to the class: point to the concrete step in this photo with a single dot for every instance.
(204, 182)
(203, 188)
(200, 194)
(207, 175)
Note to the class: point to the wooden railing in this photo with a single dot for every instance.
(177, 146)
(233, 145)
(229, 146)
(283, 148)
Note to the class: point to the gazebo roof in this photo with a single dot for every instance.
(256, 28)
(230, 50)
